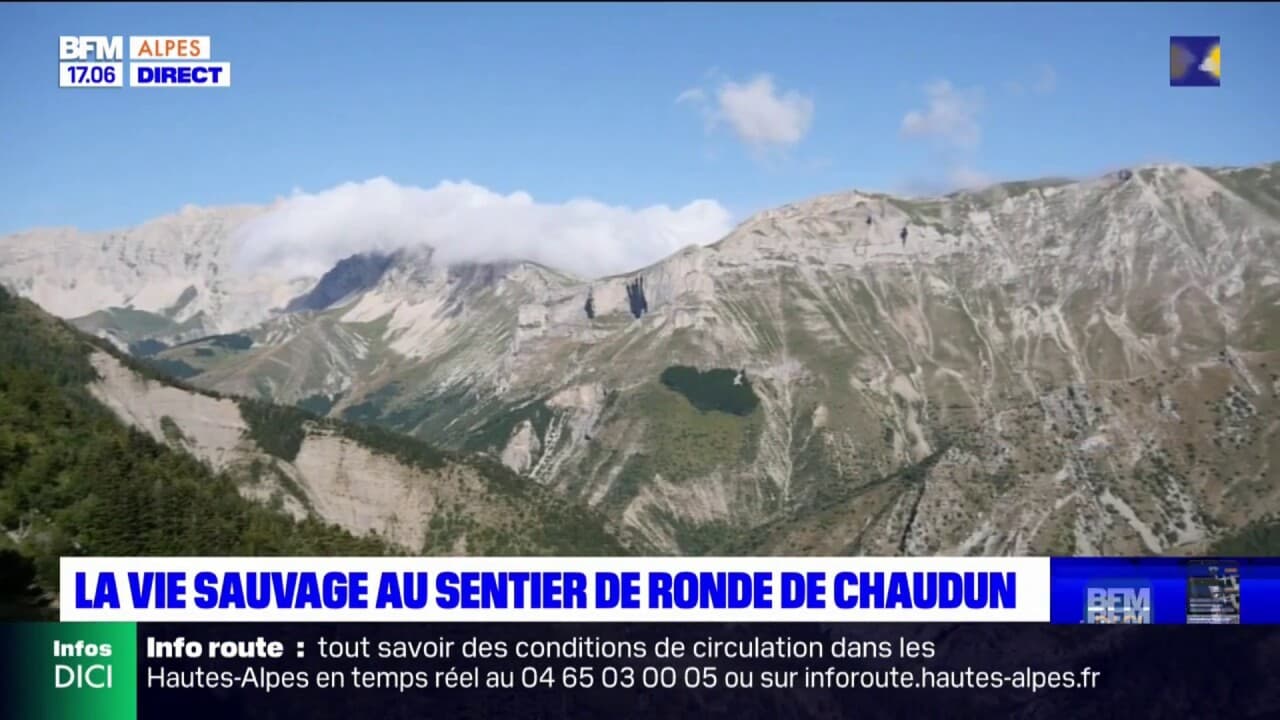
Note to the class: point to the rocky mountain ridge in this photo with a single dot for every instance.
(173, 278)
(1047, 366)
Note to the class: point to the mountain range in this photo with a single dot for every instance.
(1055, 366)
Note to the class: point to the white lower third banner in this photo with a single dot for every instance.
(570, 589)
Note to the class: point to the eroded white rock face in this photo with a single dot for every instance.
(344, 483)
(365, 491)
(212, 430)
(585, 397)
(522, 448)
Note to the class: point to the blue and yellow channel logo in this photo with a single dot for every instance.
(1195, 61)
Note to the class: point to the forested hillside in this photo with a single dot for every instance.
(74, 480)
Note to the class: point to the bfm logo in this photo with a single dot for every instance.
(80, 47)
(1115, 603)
(94, 677)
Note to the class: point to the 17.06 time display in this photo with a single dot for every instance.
(91, 74)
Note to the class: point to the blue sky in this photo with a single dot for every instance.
(777, 102)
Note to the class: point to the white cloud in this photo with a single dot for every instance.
(951, 117)
(945, 180)
(695, 95)
(757, 112)
(1046, 82)
(950, 121)
(963, 177)
(760, 116)
(308, 232)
